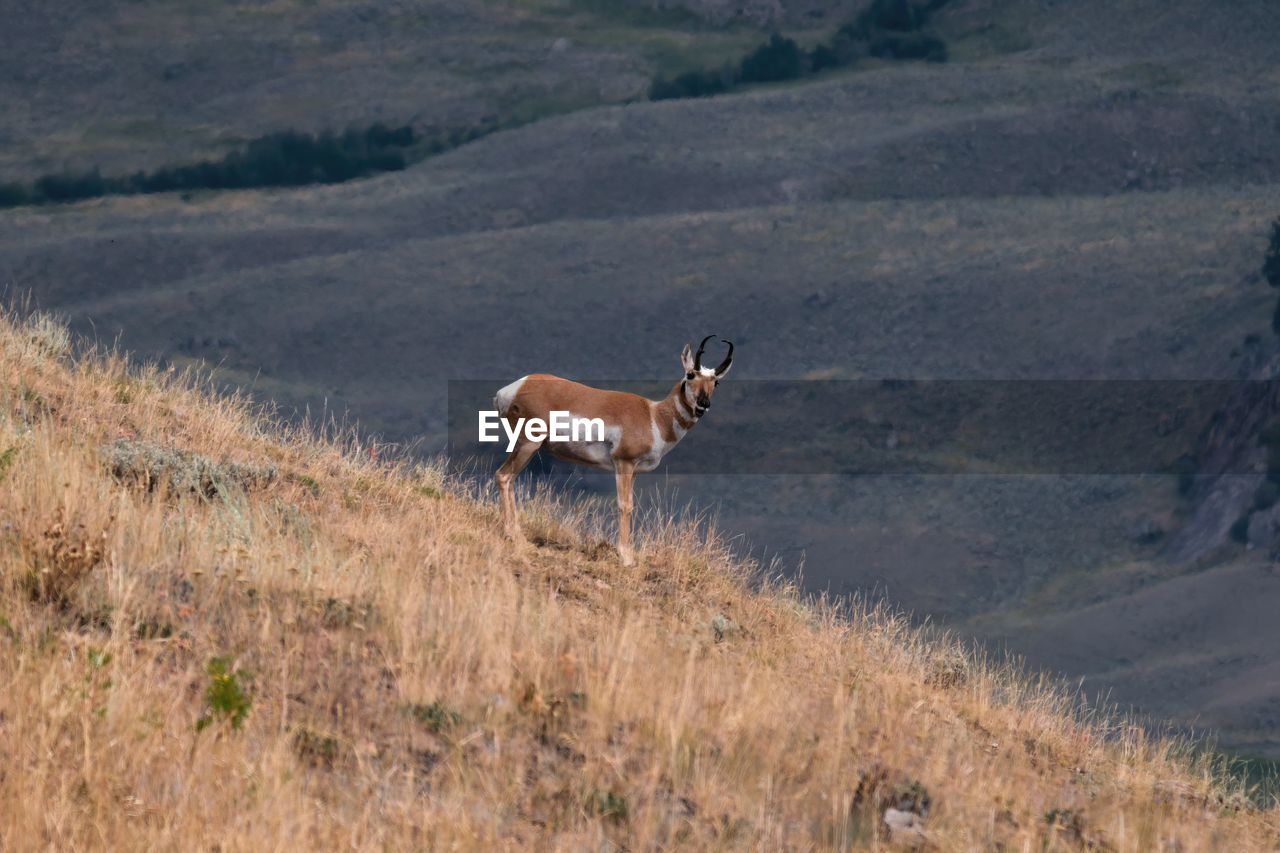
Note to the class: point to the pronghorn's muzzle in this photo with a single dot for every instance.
(702, 404)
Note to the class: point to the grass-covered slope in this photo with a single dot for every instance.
(219, 631)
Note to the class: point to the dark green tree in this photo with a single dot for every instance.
(692, 84)
(14, 195)
(899, 15)
(777, 59)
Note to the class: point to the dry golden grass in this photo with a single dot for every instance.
(348, 654)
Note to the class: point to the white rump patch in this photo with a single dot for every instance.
(502, 400)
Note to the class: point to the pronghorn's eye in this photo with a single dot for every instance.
(717, 383)
(688, 376)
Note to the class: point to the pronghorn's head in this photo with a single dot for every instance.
(700, 382)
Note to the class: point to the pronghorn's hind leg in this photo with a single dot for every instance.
(625, 475)
(505, 476)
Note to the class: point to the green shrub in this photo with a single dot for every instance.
(888, 29)
(289, 158)
(437, 717)
(6, 459)
(316, 749)
(286, 159)
(70, 187)
(225, 697)
(306, 481)
(608, 805)
(896, 16)
(14, 195)
(692, 84)
(1067, 822)
(823, 57)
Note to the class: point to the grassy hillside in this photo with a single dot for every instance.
(219, 630)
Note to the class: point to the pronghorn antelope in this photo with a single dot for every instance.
(637, 434)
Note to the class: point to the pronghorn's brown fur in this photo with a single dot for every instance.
(638, 431)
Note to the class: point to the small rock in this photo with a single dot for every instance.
(722, 626)
(819, 299)
(904, 827)
(1147, 532)
(1263, 529)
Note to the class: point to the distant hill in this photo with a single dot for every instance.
(128, 86)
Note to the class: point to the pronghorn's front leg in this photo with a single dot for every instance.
(506, 476)
(626, 472)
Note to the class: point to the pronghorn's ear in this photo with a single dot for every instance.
(686, 359)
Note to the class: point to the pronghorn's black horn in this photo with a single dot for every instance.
(702, 347)
(728, 359)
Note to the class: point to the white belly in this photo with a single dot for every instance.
(597, 454)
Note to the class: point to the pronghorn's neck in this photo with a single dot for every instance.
(674, 414)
